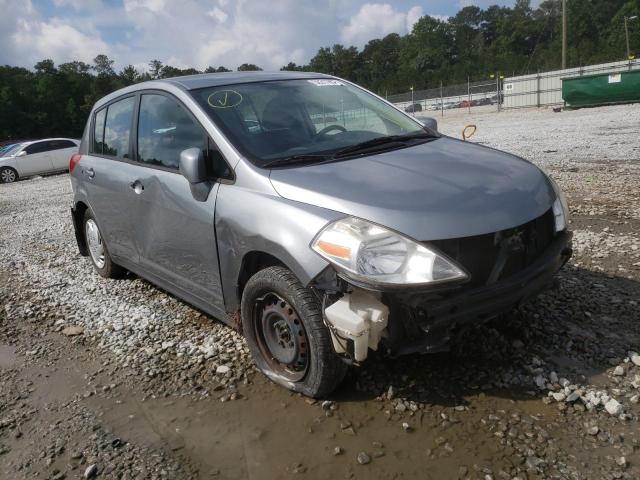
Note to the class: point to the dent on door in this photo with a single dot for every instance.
(175, 234)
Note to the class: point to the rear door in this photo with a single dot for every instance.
(106, 172)
(61, 153)
(174, 232)
(37, 159)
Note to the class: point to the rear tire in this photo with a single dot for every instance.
(282, 322)
(8, 175)
(98, 252)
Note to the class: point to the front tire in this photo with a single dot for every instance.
(282, 322)
(8, 175)
(98, 252)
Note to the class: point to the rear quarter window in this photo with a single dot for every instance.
(98, 131)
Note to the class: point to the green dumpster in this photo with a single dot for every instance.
(602, 89)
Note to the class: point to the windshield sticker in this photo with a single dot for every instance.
(325, 82)
(224, 99)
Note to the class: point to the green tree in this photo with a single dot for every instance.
(220, 69)
(248, 67)
(156, 69)
(129, 75)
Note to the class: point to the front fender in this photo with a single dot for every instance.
(248, 220)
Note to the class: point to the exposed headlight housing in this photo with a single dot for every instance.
(560, 208)
(375, 255)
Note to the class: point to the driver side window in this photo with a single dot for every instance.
(37, 148)
(164, 130)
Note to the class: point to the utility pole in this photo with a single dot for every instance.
(564, 34)
(413, 108)
(626, 33)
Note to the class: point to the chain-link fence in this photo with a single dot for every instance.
(535, 90)
(464, 95)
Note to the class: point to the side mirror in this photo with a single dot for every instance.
(429, 122)
(21, 154)
(192, 165)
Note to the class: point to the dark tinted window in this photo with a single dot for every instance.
(59, 144)
(38, 147)
(118, 128)
(164, 130)
(98, 131)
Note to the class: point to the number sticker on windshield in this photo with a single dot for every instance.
(224, 99)
(325, 82)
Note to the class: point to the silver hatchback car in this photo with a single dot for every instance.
(311, 214)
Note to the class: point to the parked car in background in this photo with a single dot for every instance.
(324, 240)
(416, 107)
(484, 101)
(36, 157)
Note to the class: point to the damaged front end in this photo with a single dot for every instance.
(504, 269)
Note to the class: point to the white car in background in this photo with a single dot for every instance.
(37, 157)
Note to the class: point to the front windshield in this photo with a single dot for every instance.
(271, 120)
(11, 150)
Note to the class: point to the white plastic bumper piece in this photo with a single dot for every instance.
(360, 317)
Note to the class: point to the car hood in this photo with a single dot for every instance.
(441, 189)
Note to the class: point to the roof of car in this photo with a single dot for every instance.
(28, 142)
(193, 82)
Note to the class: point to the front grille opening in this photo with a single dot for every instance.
(479, 254)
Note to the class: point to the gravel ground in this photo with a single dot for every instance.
(116, 379)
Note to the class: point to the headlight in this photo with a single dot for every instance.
(560, 209)
(374, 254)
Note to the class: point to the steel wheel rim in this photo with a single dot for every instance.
(8, 175)
(281, 338)
(94, 242)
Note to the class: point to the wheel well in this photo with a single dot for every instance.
(252, 263)
(78, 217)
(14, 171)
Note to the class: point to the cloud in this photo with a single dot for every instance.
(27, 37)
(218, 14)
(57, 40)
(199, 33)
(269, 34)
(375, 20)
(156, 6)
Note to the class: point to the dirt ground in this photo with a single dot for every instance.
(116, 379)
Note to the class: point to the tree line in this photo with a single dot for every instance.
(55, 100)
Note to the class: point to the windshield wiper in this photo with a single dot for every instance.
(303, 158)
(296, 160)
(379, 141)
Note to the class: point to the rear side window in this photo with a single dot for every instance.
(117, 128)
(98, 131)
(164, 130)
(60, 144)
(38, 147)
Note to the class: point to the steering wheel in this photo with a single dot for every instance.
(329, 128)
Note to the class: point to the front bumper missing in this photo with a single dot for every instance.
(422, 322)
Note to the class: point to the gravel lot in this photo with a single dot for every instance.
(116, 379)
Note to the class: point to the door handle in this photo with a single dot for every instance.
(91, 172)
(137, 186)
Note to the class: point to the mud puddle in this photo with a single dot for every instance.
(270, 433)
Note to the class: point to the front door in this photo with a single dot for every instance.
(37, 159)
(174, 232)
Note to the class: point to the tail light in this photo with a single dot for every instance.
(74, 161)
